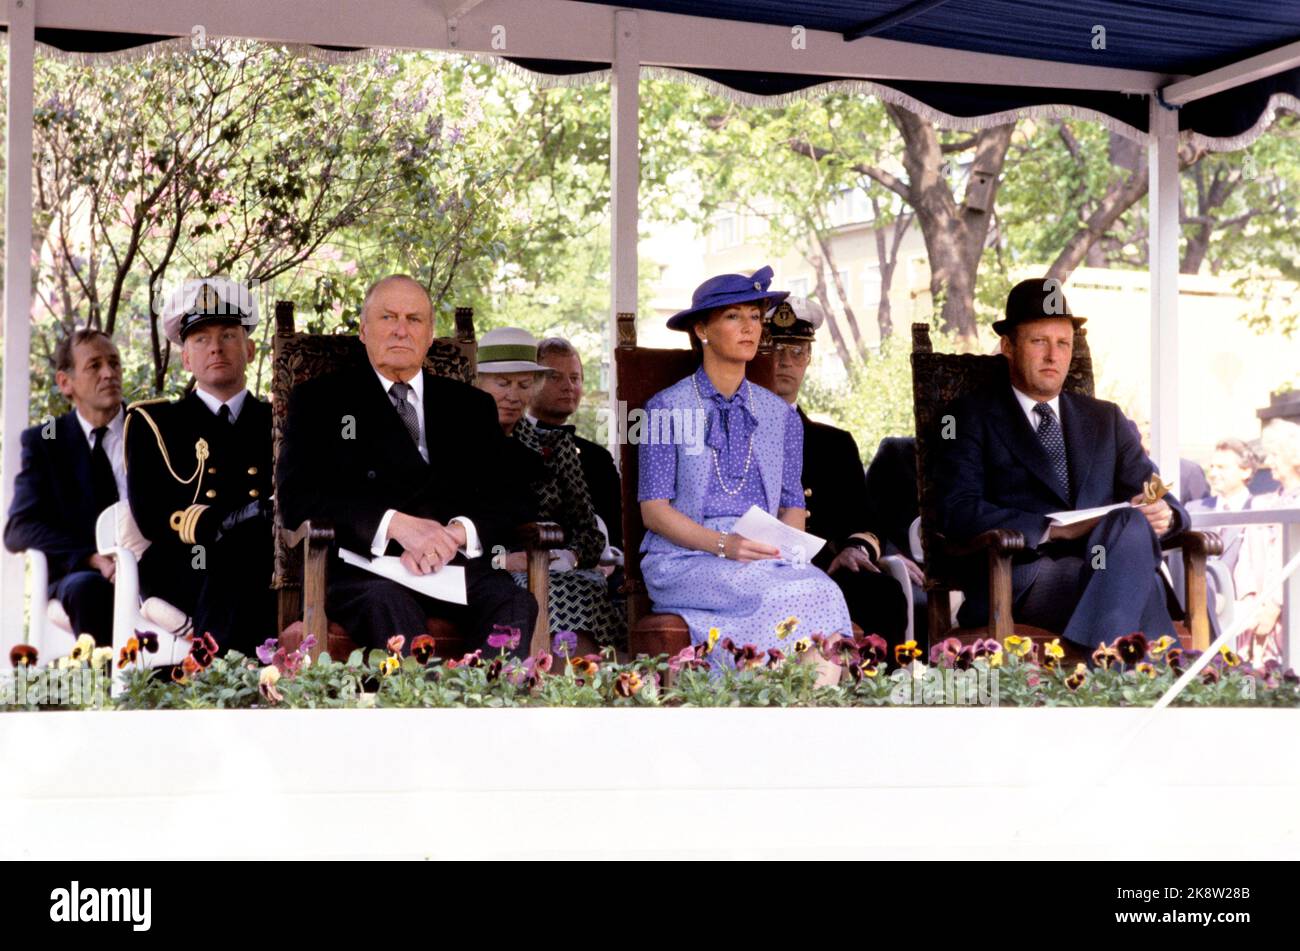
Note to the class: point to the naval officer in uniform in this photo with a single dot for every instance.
(199, 472)
(835, 486)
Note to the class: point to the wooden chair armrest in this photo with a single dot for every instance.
(317, 533)
(538, 539)
(316, 539)
(1001, 541)
(1202, 543)
(999, 544)
(543, 535)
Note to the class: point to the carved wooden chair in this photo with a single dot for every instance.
(937, 380)
(302, 551)
(641, 373)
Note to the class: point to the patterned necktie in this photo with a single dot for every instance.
(397, 393)
(1049, 434)
(103, 486)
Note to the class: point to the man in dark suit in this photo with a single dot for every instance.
(199, 473)
(406, 463)
(72, 470)
(553, 404)
(835, 488)
(1025, 449)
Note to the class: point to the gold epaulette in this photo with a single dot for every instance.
(183, 523)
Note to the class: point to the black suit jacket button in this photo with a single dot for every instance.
(370, 474)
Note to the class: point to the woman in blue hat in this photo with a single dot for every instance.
(732, 445)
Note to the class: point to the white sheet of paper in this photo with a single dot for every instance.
(1084, 515)
(758, 525)
(445, 584)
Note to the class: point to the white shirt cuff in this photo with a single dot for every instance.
(472, 548)
(380, 543)
(1046, 532)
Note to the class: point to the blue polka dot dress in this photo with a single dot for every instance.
(749, 453)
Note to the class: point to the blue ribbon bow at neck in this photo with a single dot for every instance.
(731, 424)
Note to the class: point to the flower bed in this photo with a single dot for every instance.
(819, 672)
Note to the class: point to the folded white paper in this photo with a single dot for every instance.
(1084, 515)
(796, 546)
(445, 584)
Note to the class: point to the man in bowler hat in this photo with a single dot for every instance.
(1025, 449)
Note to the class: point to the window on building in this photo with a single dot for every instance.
(871, 285)
(798, 286)
(849, 206)
(725, 232)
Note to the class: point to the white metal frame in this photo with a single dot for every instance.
(564, 29)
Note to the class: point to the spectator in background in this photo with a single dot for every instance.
(554, 402)
(73, 469)
(1260, 563)
(550, 470)
(1231, 469)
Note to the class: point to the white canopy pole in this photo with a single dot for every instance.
(624, 177)
(18, 293)
(1162, 253)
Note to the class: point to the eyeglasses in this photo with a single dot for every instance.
(796, 352)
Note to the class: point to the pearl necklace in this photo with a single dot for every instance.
(749, 452)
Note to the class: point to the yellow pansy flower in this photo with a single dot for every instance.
(82, 650)
(1018, 646)
(1161, 645)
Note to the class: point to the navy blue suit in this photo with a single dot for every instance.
(996, 474)
(53, 512)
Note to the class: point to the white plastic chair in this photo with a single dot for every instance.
(894, 565)
(49, 629)
(116, 534)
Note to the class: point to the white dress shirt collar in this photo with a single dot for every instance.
(1027, 404)
(115, 426)
(236, 402)
(416, 383)
(1236, 503)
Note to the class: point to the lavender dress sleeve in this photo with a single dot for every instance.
(792, 474)
(658, 468)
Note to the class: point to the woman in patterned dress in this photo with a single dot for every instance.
(732, 445)
(548, 464)
(1260, 563)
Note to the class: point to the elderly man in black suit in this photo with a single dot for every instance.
(835, 488)
(406, 463)
(72, 469)
(1024, 450)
